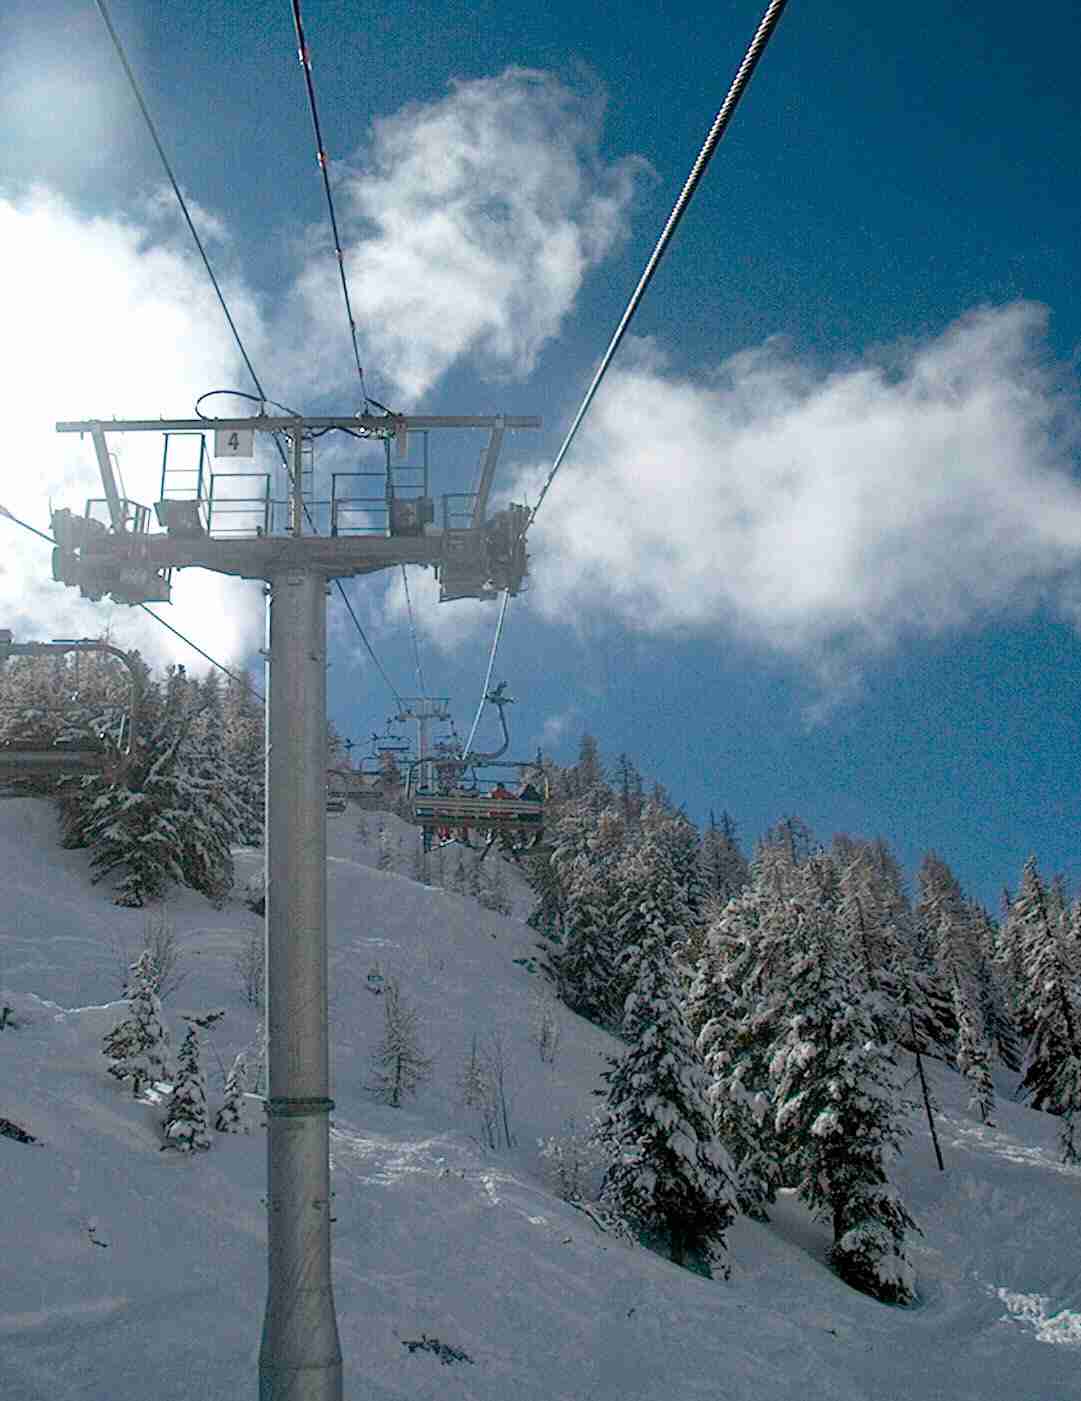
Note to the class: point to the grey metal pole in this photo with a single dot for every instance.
(423, 721)
(297, 480)
(300, 1358)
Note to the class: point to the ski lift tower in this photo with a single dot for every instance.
(230, 522)
(424, 709)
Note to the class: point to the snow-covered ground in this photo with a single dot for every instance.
(127, 1272)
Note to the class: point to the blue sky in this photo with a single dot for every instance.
(817, 549)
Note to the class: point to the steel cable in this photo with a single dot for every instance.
(743, 75)
(232, 324)
(175, 631)
(488, 673)
(716, 131)
(321, 156)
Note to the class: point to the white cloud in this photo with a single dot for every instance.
(824, 515)
(556, 727)
(471, 227)
(446, 626)
(101, 321)
(161, 211)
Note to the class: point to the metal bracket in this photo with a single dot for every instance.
(282, 1107)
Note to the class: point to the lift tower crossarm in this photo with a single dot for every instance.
(259, 558)
(388, 425)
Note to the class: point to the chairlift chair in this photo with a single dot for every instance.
(70, 751)
(518, 821)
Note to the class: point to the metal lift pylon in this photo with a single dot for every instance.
(300, 1355)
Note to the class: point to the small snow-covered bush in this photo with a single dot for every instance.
(250, 965)
(400, 1066)
(545, 1027)
(186, 1127)
(230, 1118)
(574, 1161)
(254, 893)
(138, 1047)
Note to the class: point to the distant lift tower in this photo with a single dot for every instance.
(229, 522)
(424, 709)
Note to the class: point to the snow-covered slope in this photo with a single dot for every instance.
(125, 1271)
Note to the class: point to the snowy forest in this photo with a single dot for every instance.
(763, 1000)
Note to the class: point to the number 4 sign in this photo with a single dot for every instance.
(233, 442)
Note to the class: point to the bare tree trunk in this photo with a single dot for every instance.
(926, 1094)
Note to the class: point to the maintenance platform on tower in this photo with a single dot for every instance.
(229, 519)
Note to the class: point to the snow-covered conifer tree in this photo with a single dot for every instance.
(974, 1060)
(837, 1105)
(650, 884)
(872, 924)
(245, 745)
(994, 994)
(210, 792)
(1052, 1063)
(953, 936)
(228, 1118)
(186, 1127)
(588, 776)
(400, 1065)
(493, 886)
(782, 851)
(667, 1170)
(1035, 935)
(732, 1006)
(630, 789)
(724, 867)
(138, 1047)
(586, 859)
(172, 819)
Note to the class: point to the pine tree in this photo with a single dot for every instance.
(585, 863)
(208, 790)
(477, 1089)
(631, 790)
(493, 887)
(733, 1005)
(837, 1106)
(994, 994)
(1052, 1063)
(928, 997)
(1036, 935)
(138, 1047)
(783, 849)
(245, 745)
(173, 818)
(654, 883)
(678, 837)
(228, 1118)
(724, 866)
(588, 774)
(400, 1065)
(974, 1061)
(667, 1170)
(953, 935)
(186, 1127)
